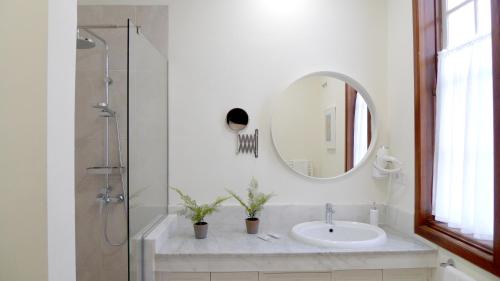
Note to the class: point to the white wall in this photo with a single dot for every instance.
(61, 64)
(226, 53)
(400, 100)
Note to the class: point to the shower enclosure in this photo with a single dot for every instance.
(121, 138)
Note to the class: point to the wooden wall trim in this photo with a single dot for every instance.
(425, 61)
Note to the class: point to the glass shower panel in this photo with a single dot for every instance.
(148, 143)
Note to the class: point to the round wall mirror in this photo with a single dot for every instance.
(237, 119)
(323, 125)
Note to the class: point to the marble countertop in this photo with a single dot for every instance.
(229, 248)
(235, 241)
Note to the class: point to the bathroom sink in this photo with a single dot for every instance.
(340, 234)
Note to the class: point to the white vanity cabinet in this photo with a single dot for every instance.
(167, 276)
(235, 276)
(407, 275)
(339, 275)
(357, 275)
(315, 276)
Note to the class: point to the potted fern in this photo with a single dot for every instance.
(255, 203)
(197, 213)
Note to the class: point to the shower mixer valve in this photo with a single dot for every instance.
(106, 197)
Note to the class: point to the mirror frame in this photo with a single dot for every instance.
(371, 107)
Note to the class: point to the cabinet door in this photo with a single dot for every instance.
(407, 275)
(167, 276)
(357, 275)
(236, 276)
(295, 276)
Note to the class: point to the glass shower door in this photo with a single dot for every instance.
(147, 144)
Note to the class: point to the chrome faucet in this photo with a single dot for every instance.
(329, 211)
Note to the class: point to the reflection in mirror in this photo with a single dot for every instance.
(322, 126)
(237, 119)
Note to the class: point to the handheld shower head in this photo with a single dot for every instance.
(104, 107)
(101, 105)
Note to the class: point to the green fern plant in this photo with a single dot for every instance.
(196, 212)
(255, 201)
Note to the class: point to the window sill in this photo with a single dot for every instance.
(459, 244)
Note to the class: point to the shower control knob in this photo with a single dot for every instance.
(121, 197)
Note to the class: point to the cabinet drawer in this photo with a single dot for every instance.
(295, 277)
(407, 275)
(235, 276)
(357, 275)
(167, 276)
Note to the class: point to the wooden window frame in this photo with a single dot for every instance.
(350, 108)
(427, 42)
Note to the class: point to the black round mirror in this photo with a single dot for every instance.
(237, 119)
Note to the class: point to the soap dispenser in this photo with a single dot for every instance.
(374, 215)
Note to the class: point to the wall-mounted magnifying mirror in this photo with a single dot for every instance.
(323, 125)
(237, 119)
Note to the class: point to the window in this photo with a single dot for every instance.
(457, 116)
(463, 154)
(463, 20)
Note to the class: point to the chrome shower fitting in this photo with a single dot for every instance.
(107, 169)
(103, 106)
(108, 80)
(106, 197)
(83, 42)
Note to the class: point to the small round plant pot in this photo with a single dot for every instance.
(200, 230)
(252, 225)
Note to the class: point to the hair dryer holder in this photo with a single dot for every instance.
(385, 165)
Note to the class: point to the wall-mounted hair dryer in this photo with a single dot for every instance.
(385, 164)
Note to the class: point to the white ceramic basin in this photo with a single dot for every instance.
(342, 234)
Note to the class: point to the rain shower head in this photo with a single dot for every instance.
(83, 42)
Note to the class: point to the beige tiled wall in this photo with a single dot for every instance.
(96, 260)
